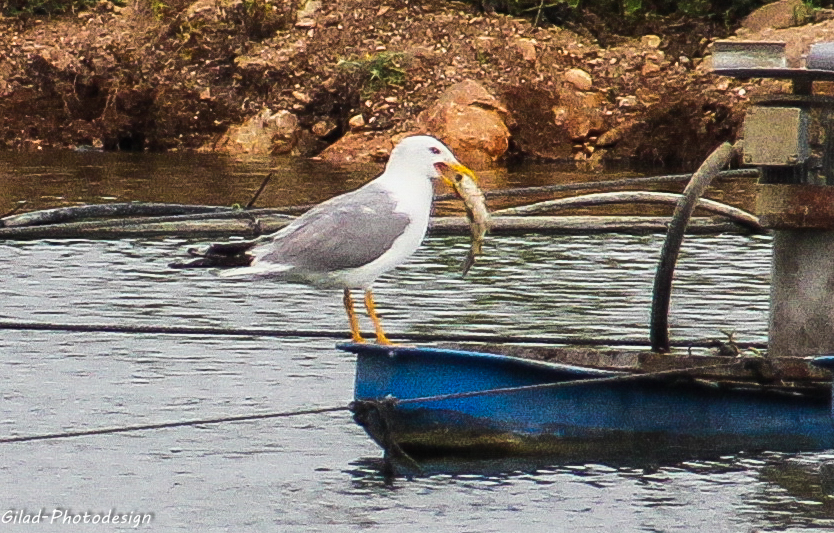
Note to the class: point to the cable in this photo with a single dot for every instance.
(342, 335)
(163, 425)
(626, 182)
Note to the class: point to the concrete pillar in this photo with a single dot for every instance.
(802, 293)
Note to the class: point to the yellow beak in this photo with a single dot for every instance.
(452, 173)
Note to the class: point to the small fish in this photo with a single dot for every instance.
(476, 212)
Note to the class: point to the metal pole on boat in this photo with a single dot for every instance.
(790, 137)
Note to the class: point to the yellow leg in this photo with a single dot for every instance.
(371, 307)
(354, 322)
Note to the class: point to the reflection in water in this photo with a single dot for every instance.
(52, 179)
(66, 178)
(688, 496)
(733, 493)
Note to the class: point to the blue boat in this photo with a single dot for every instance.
(432, 402)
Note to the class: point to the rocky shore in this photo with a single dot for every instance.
(343, 81)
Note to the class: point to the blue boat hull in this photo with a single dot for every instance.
(579, 418)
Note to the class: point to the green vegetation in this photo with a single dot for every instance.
(558, 11)
(379, 71)
(13, 8)
(257, 15)
(158, 8)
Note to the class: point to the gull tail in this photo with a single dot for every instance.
(234, 258)
(223, 255)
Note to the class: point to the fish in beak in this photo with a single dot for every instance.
(465, 184)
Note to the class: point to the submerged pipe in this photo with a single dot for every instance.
(661, 294)
(250, 224)
(60, 215)
(620, 197)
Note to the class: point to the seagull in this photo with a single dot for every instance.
(350, 240)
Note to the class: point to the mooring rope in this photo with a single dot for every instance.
(486, 338)
(163, 425)
(565, 384)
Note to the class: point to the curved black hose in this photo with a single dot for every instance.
(661, 294)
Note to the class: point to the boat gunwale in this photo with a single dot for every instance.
(394, 350)
(683, 376)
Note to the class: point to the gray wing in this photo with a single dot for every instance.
(347, 231)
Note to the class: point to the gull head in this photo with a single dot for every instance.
(427, 157)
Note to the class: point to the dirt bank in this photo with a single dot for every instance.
(178, 76)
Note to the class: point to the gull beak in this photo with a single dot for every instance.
(453, 174)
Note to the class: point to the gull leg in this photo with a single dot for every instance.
(371, 307)
(354, 321)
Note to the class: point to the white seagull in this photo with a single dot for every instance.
(350, 240)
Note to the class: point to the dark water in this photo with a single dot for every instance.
(320, 472)
(53, 179)
(66, 178)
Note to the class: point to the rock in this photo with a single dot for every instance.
(308, 144)
(781, 14)
(264, 58)
(213, 11)
(649, 68)
(324, 128)
(535, 132)
(527, 49)
(304, 98)
(471, 122)
(610, 137)
(580, 115)
(579, 79)
(821, 14)
(331, 20)
(308, 10)
(356, 122)
(422, 52)
(669, 133)
(55, 58)
(646, 96)
(627, 101)
(650, 41)
(329, 85)
(207, 16)
(358, 148)
(264, 134)
(471, 93)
